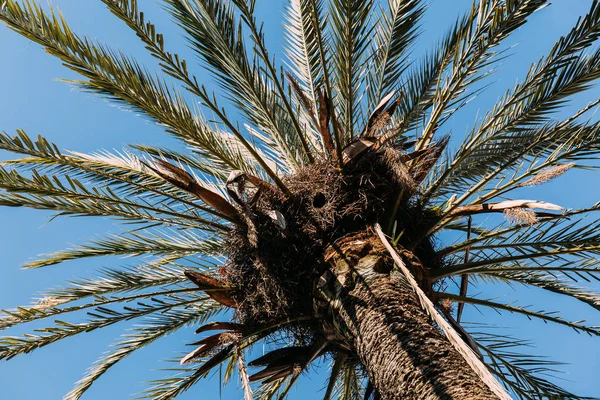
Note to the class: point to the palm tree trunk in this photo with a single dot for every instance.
(380, 318)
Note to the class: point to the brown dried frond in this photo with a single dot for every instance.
(182, 179)
(421, 166)
(521, 215)
(217, 326)
(324, 118)
(382, 114)
(548, 174)
(301, 94)
(379, 123)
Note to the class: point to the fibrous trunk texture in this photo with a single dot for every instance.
(380, 318)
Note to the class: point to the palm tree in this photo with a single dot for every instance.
(334, 223)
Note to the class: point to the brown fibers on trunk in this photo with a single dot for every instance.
(274, 275)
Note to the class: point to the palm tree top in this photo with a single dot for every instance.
(346, 134)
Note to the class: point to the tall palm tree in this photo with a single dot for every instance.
(333, 223)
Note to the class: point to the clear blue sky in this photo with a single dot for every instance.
(32, 99)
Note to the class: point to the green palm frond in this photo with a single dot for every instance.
(543, 91)
(120, 78)
(336, 368)
(213, 31)
(190, 161)
(69, 196)
(246, 10)
(546, 316)
(420, 84)
(549, 82)
(45, 309)
(494, 21)
(558, 240)
(521, 373)
(545, 278)
(504, 231)
(303, 53)
(350, 32)
(163, 271)
(171, 387)
(162, 277)
(532, 151)
(349, 384)
(153, 328)
(173, 243)
(124, 173)
(396, 31)
(102, 317)
(186, 377)
(303, 45)
(176, 67)
(270, 391)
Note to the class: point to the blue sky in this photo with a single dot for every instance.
(34, 100)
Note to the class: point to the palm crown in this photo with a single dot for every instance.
(348, 137)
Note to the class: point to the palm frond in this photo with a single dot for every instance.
(153, 328)
(270, 391)
(350, 30)
(519, 115)
(395, 32)
(246, 10)
(419, 86)
(69, 196)
(190, 161)
(553, 144)
(303, 47)
(102, 317)
(186, 377)
(120, 78)
(336, 368)
(171, 387)
(348, 383)
(123, 173)
(495, 21)
(545, 88)
(544, 278)
(176, 67)
(303, 53)
(503, 232)
(543, 315)
(45, 308)
(163, 276)
(521, 373)
(212, 27)
(134, 244)
(557, 239)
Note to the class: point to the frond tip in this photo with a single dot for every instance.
(183, 180)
